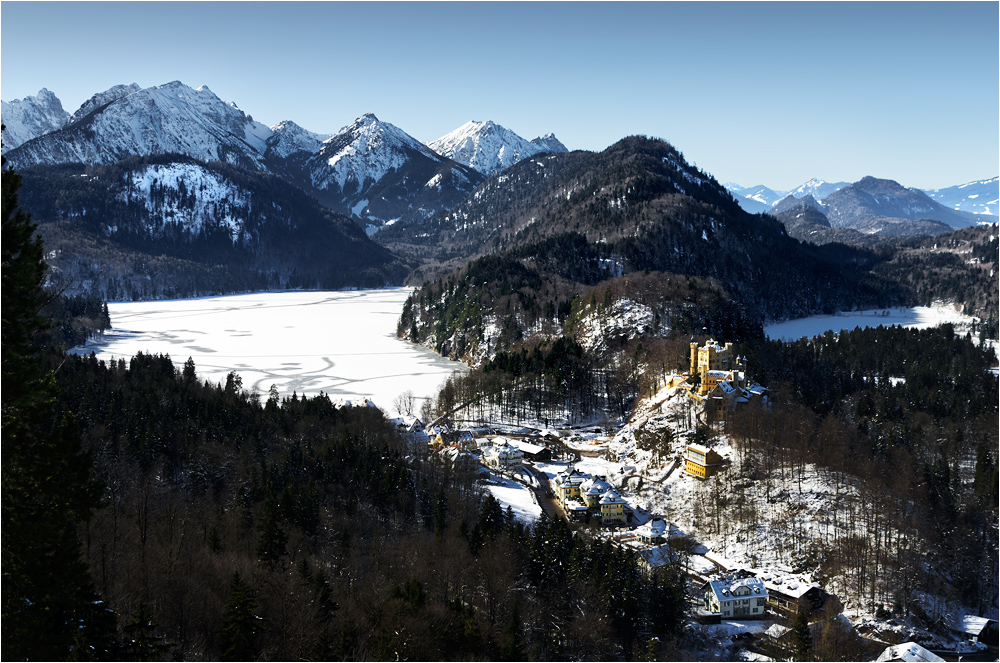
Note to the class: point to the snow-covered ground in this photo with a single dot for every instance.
(517, 496)
(341, 343)
(919, 317)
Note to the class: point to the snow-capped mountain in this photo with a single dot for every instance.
(288, 138)
(981, 197)
(491, 148)
(818, 189)
(754, 199)
(485, 146)
(549, 143)
(377, 171)
(28, 118)
(103, 99)
(171, 118)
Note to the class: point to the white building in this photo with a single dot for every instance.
(731, 598)
(652, 533)
(502, 455)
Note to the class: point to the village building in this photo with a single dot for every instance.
(576, 511)
(791, 594)
(532, 452)
(653, 558)
(613, 508)
(731, 597)
(460, 439)
(566, 486)
(978, 629)
(502, 455)
(910, 652)
(652, 533)
(591, 491)
(779, 636)
(701, 461)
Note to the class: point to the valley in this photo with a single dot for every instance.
(354, 396)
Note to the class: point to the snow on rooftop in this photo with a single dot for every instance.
(908, 651)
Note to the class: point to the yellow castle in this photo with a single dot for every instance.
(721, 380)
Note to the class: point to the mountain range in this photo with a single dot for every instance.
(370, 169)
(197, 193)
(954, 207)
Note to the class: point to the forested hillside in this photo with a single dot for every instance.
(170, 226)
(960, 267)
(911, 415)
(639, 206)
(295, 530)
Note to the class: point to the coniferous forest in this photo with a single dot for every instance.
(148, 515)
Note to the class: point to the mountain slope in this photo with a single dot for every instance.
(981, 197)
(755, 199)
(549, 143)
(818, 189)
(639, 205)
(24, 119)
(871, 204)
(486, 146)
(378, 172)
(171, 118)
(171, 226)
(103, 99)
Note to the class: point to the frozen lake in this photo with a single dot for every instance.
(342, 343)
(920, 317)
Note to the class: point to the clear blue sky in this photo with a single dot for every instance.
(756, 93)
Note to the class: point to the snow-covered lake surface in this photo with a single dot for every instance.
(342, 343)
(920, 317)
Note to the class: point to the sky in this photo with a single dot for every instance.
(753, 93)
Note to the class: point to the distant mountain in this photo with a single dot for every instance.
(288, 138)
(549, 143)
(171, 226)
(818, 189)
(490, 148)
(24, 119)
(755, 199)
(875, 205)
(981, 197)
(171, 118)
(103, 99)
(379, 173)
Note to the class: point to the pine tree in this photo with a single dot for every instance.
(50, 609)
(802, 637)
(239, 623)
(271, 544)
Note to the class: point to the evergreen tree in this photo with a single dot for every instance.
(239, 623)
(513, 636)
(271, 544)
(802, 638)
(50, 609)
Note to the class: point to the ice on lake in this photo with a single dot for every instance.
(919, 317)
(341, 343)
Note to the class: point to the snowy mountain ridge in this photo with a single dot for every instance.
(363, 153)
(102, 99)
(288, 138)
(170, 118)
(491, 148)
(24, 119)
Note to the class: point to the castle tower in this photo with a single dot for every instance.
(694, 359)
